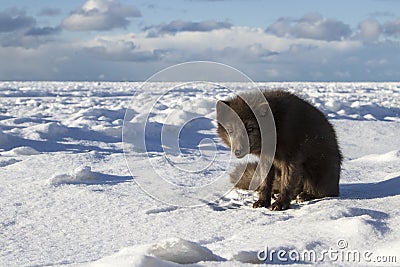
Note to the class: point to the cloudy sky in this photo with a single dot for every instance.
(298, 40)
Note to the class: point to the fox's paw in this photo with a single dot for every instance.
(261, 204)
(279, 205)
(303, 196)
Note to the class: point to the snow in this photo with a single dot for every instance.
(22, 150)
(171, 252)
(80, 175)
(71, 197)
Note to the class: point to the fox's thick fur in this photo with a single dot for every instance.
(307, 157)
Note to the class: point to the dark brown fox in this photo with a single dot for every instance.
(307, 157)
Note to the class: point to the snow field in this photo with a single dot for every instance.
(69, 199)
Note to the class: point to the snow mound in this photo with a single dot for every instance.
(21, 151)
(50, 130)
(333, 105)
(171, 252)
(182, 251)
(45, 131)
(85, 175)
(80, 175)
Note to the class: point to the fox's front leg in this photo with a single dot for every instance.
(265, 190)
(290, 177)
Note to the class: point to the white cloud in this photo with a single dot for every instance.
(100, 15)
(314, 26)
(369, 30)
(281, 28)
(241, 38)
(392, 27)
(262, 55)
(311, 26)
(291, 50)
(120, 50)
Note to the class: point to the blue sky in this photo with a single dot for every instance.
(302, 40)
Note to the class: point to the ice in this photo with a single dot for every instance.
(69, 199)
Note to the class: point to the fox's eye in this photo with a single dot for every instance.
(249, 129)
(229, 130)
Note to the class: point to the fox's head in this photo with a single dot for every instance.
(238, 127)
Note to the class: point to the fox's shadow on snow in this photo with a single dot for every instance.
(387, 188)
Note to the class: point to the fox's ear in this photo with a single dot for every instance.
(221, 104)
(222, 110)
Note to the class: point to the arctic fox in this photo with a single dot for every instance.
(307, 159)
